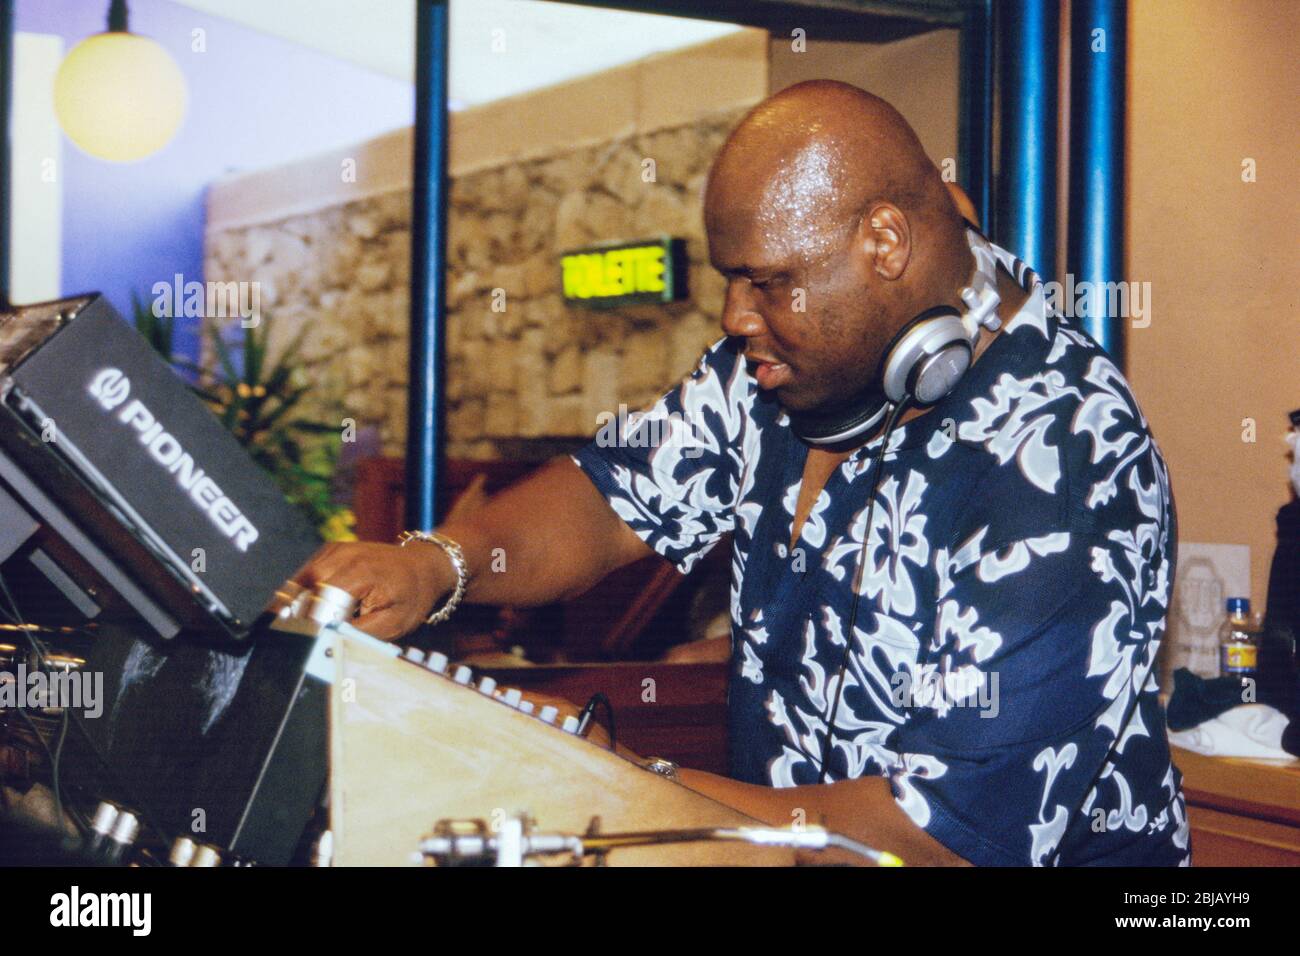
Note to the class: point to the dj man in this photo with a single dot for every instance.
(894, 407)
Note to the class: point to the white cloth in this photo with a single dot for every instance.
(1251, 730)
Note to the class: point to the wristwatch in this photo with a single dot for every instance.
(457, 557)
(665, 768)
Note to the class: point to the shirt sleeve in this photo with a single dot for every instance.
(1043, 649)
(671, 471)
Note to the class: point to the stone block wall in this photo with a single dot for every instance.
(523, 363)
(342, 273)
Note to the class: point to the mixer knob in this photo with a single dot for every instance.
(105, 816)
(322, 853)
(463, 674)
(437, 662)
(206, 856)
(513, 696)
(329, 605)
(487, 685)
(182, 852)
(571, 724)
(414, 654)
(526, 706)
(288, 600)
(101, 826)
(549, 713)
(125, 829)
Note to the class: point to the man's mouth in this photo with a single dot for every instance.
(769, 373)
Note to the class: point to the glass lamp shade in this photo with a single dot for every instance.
(119, 96)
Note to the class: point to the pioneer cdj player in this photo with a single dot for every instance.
(140, 543)
(103, 443)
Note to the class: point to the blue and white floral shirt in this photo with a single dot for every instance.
(1019, 567)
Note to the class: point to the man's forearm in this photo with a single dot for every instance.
(862, 809)
(549, 537)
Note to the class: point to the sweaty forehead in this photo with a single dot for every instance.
(777, 200)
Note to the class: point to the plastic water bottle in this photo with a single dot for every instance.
(1239, 639)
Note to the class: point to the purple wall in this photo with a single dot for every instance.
(254, 100)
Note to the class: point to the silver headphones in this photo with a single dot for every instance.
(923, 362)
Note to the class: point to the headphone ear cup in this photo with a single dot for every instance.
(927, 358)
(937, 375)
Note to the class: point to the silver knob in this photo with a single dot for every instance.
(323, 851)
(513, 696)
(288, 600)
(571, 724)
(526, 706)
(329, 605)
(549, 713)
(437, 662)
(182, 852)
(105, 816)
(463, 674)
(487, 685)
(125, 829)
(414, 654)
(206, 856)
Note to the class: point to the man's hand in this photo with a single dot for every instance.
(397, 587)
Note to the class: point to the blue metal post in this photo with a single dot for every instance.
(975, 119)
(424, 441)
(1028, 38)
(6, 148)
(1095, 250)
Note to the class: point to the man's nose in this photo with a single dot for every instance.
(738, 315)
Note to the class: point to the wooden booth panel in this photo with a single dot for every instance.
(1242, 812)
(674, 711)
(1225, 839)
(410, 747)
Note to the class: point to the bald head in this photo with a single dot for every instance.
(806, 164)
(833, 229)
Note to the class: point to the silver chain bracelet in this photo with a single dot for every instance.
(457, 556)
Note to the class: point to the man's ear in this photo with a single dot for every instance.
(886, 238)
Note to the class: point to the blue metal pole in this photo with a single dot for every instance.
(1028, 37)
(975, 120)
(425, 417)
(1095, 250)
(6, 148)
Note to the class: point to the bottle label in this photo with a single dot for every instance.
(1238, 658)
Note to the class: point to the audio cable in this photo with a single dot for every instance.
(589, 711)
